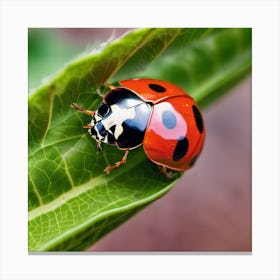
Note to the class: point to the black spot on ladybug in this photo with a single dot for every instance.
(111, 135)
(169, 119)
(181, 148)
(93, 132)
(198, 118)
(113, 128)
(111, 138)
(193, 161)
(157, 88)
(103, 110)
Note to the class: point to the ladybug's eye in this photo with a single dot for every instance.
(103, 110)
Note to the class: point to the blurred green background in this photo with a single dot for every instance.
(49, 49)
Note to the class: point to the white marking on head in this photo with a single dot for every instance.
(117, 117)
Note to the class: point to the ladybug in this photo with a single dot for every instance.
(153, 113)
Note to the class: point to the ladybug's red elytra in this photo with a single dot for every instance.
(153, 113)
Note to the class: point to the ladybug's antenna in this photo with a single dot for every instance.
(82, 110)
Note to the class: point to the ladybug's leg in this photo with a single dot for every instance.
(82, 110)
(87, 126)
(117, 164)
(168, 175)
(99, 148)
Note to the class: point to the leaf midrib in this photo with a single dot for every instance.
(100, 216)
(80, 189)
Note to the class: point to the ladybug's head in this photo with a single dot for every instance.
(102, 125)
(107, 123)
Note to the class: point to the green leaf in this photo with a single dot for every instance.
(71, 202)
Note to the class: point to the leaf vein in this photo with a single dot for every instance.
(123, 61)
(51, 96)
(36, 192)
(78, 190)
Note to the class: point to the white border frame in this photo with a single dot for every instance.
(17, 16)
